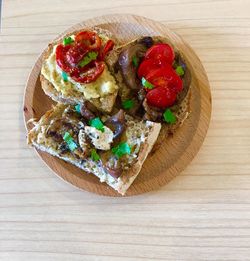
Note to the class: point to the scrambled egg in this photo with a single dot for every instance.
(104, 85)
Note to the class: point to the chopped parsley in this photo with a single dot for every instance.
(146, 83)
(128, 104)
(67, 40)
(121, 149)
(135, 61)
(65, 76)
(78, 108)
(179, 70)
(94, 155)
(70, 141)
(97, 123)
(169, 117)
(91, 56)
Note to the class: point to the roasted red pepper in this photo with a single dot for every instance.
(107, 47)
(70, 57)
(61, 51)
(91, 74)
(90, 39)
(75, 54)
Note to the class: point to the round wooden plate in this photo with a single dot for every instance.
(176, 152)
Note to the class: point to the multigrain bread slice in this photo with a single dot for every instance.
(46, 135)
(181, 106)
(71, 92)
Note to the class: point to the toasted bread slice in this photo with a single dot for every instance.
(47, 135)
(101, 93)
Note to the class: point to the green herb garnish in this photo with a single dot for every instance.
(128, 104)
(97, 123)
(179, 70)
(70, 141)
(94, 155)
(122, 149)
(91, 56)
(169, 117)
(65, 76)
(135, 61)
(67, 40)
(78, 108)
(146, 83)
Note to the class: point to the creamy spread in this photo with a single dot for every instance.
(104, 85)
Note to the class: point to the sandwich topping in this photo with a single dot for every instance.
(77, 65)
(69, 134)
(156, 79)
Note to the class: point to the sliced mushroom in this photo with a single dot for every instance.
(127, 67)
(63, 148)
(151, 113)
(113, 166)
(116, 123)
(147, 41)
(87, 110)
(55, 135)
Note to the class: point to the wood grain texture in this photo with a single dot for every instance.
(175, 153)
(202, 214)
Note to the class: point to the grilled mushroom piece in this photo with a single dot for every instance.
(151, 113)
(127, 67)
(147, 41)
(116, 123)
(87, 110)
(113, 166)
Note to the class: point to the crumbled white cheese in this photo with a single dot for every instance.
(101, 140)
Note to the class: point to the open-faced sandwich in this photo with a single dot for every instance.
(74, 69)
(153, 78)
(111, 147)
(113, 101)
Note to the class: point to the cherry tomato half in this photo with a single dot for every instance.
(61, 51)
(91, 74)
(90, 39)
(161, 97)
(161, 52)
(148, 66)
(165, 77)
